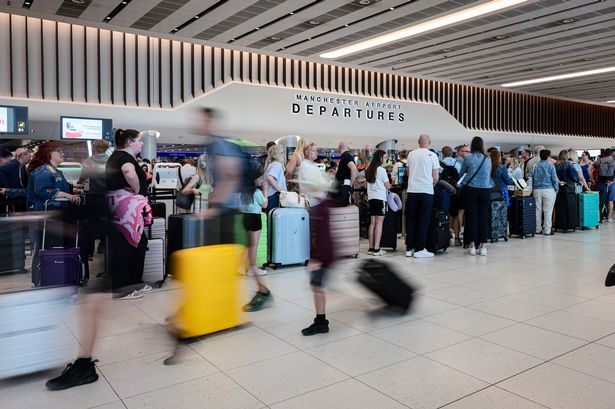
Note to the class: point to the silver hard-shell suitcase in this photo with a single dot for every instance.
(153, 268)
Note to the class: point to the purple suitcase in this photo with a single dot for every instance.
(59, 266)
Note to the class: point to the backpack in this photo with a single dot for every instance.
(606, 170)
(449, 174)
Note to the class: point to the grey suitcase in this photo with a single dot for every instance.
(345, 226)
(289, 236)
(153, 267)
(158, 228)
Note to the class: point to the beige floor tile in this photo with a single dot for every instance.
(484, 360)
(359, 354)
(291, 333)
(460, 296)
(547, 298)
(512, 309)
(421, 383)
(367, 319)
(214, 391)
(148, 373)
(470, 322)
(534, 341)
(494, 398)
(575, 325)
(131, 345)
(557, 387)
(594, 309)
(349, 394)
(420, 336)
(280, 312)
(242, 349)
(285, 377)
(595, 360)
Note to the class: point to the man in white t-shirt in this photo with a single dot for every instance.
(423, 166)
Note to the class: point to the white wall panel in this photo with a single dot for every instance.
(226, 74)
(176, 77)
(208, 54)
(64, 66)
(154, 78)
(144, 69)
(19, 57)
(117, 68)
(187, 71)
(78, 63)
(165, 73)
(92, 65)
(106, 70)
(197, 70)
(35, 83)
(5, 55)
(130, 66)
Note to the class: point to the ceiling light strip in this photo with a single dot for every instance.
(277, 20)
(424, 27)
(559, 77)
(198, 16)
(116, 10)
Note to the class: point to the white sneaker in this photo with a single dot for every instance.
(423, 254)
(483, 251)
(132, 296)
(370, 253)
(257, 272)
(410, 253)
(472, 251)
(379, 253)
(146, 289)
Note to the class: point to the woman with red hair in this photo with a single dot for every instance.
(46, 181)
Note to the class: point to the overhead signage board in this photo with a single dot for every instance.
(347, 108)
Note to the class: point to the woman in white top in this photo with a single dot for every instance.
(274, 176)
(294, 164)
(312, 180)
(377, 186)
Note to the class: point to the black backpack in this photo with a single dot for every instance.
(449, 174)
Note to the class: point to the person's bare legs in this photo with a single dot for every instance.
(370, 232)
(90, 311)
(610, 207)
(377, 234)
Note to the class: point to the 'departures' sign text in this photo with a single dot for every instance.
(346, 108)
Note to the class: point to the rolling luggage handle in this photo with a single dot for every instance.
(45, 223)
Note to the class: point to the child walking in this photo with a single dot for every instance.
(252, 204)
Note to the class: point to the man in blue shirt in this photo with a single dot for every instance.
(545, 186)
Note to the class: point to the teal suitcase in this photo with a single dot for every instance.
(589, 210)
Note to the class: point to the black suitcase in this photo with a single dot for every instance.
(439, 233)
(498, 221)
(388, 240)
(159, 209)
(522, 216)
(378, 277)
(566, 211)
(12, 248)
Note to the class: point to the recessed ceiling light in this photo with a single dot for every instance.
(78, 1)
(291, 13)
(560, 77)
(392, 8)
(124, 2)
(197, 16)
(175, 29)
(446, 50)
(346, 25)
(568, 20)
(365, 2)
(500, 37)
(430, 25)
(314, 22)
(274, 38)
(107, 18)
(257, 28)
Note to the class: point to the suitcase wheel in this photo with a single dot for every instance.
(159, 283)
(505, 238)
(274, 266)
(356, 256)
(306, 262)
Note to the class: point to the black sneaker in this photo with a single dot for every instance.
(81, 372)
(259, 302)
(316, 328)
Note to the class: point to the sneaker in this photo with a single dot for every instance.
(81, 372)
(132, 296)
(316, 328)
(483, 251)
(370, 252)
(146, 289)
(458, 242)
(259, 302)
(423, 254)
(379, 253)
(472, 251)
(257, 272)
(410, 253)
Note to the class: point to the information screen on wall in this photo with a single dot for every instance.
(13, 120)
(75, 128)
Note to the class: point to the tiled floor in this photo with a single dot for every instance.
(529, 326)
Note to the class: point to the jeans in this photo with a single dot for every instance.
(545, 202)
(273, 201)
(477, 203)
(418, 217)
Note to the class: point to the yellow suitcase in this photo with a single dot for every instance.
(210, 289)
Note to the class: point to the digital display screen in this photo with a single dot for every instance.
(13, 120)
(86, 129)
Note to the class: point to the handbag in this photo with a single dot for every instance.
(185, 200)
(292, 199)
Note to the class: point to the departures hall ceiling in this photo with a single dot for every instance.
(531, 40)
